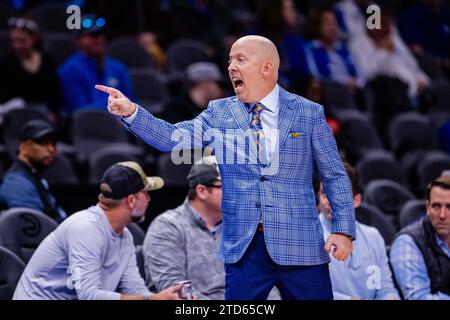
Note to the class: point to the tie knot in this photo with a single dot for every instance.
(258, 107)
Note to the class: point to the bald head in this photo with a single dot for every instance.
(262, 47)
(253, 69)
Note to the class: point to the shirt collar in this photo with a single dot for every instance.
(443, 245)
(270, 101)
(200, 221)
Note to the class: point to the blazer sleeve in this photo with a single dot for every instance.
(335, 181)
(164, 136)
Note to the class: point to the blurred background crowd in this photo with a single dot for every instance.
(386, 91)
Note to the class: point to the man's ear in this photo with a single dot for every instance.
(23, 146)
(357, 200)
(267, 68)
(130, 201)
(200, 190)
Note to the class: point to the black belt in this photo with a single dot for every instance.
(260, 227)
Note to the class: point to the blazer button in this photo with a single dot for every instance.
(258, 205)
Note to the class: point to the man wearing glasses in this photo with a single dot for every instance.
(182, 243)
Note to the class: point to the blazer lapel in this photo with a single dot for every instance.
(286, 116)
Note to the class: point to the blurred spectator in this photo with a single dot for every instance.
(203, 84)
(27, 72)
(426, 28)
(382, 52)
(182, 244)
(280, 21)
(351, 278)
(22, 185)
(149, 41)
(420, 254)
(81, 72)
(351, 17)
(330, 58)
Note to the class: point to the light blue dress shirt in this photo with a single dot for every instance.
(365, 274)
(411, 271)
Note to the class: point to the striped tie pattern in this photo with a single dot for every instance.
(257, 131)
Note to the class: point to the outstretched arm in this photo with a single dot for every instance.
(158, 133)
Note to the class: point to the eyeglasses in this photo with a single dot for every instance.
(213, 185)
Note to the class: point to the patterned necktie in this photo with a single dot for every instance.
(257, 131)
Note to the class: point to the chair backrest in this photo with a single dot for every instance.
(60, 46)
(184, 52)
(5, 45)
(61, 172)
(23, 229)
(429, 65)
(388, 196)
(440, 95)
(6, 12)
(11, 268)
(439, 119)
(150, 89)
(172, 174)
(130, 53)
(108, 155)
(337, 95)
(359, 134)
(92, 129)
(432, 167)
(137, 233)
(379, 164)
(412, 211)
(371, 216)
(411, 131)
(51, 17)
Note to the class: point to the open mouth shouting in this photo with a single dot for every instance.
(238, 85)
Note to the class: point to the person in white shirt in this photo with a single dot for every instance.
(366, 274)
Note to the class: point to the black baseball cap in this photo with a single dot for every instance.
(202, 173)
(37, 130)
(125, 178)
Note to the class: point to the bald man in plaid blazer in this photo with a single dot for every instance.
(271, 232)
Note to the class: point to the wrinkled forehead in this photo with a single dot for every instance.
(244, 47)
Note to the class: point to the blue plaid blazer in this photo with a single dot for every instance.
(281, 193)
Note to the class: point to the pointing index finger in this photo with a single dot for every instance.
(106, 89)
